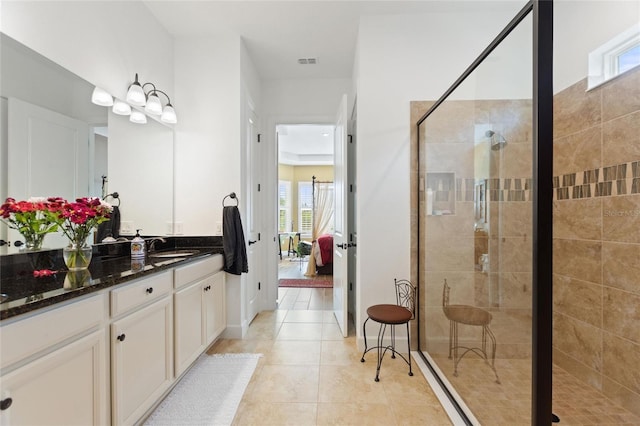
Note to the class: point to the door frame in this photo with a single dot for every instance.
(271, 197)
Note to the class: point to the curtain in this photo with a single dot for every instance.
(322, 215)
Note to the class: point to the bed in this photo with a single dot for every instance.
(324, 255)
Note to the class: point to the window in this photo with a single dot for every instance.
(284, 206)
(305, 208)
(615, 57)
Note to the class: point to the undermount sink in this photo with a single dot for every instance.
(174, 253)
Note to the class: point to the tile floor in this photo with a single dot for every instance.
(310, 375)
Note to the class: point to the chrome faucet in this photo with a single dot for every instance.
(152, 243)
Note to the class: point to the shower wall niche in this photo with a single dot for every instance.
(440, 194)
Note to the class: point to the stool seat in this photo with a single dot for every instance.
(389, 314)
(466, 314)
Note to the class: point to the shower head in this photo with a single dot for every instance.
(497, 140)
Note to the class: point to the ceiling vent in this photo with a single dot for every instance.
(308, 61)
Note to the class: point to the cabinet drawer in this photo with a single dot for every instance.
(23, 338)
(198, 270)
(137, 294)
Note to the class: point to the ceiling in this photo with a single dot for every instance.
(305, 144)
(278, 33)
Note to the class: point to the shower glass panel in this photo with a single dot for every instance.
(475, 242)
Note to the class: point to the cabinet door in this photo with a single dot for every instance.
(141, 360)
(215, 313)
(65, 387)
(188, 326)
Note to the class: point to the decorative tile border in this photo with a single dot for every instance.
(496, 189)
(621, 179)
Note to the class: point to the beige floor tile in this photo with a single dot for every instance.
(339, 352)
(329, 316)
(410, 413)
(285, 383)
(295, 352)
(398, 384)
(281, 414)
(331, 331)
(350, 383)
(345, 414)
(300, 331)
(240, 346)
(304, 316)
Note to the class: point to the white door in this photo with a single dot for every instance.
(41, 143)
(254, 207)
(341, 235)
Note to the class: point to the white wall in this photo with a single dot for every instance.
(103, 42)
(208, 145)
(580, 27)
(400, 59)
(208, 130)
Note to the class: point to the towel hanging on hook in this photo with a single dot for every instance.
(232, 196)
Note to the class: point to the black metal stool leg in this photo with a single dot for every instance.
(383, 328)
(393, 341)
(364, 333)
(409, 349)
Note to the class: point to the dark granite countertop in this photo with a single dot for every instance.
(111, 264)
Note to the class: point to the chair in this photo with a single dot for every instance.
(468, 315)
(400, 313)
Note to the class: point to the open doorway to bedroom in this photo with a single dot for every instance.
(305, 215)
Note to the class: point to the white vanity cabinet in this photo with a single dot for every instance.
(110, 357)
(141, 346)
(56, 366)
(199, 303)
(214, 306)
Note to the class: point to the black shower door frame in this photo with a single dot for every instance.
(542, 201)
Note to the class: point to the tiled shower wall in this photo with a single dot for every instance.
(597, 236)
(448, 242)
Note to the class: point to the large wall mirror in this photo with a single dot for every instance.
(55, 142)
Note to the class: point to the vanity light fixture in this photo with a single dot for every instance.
(101, 97)
(138, 117)
(121, 108)
(150, 100)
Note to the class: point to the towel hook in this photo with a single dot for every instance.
(114, 195)
(232, 196)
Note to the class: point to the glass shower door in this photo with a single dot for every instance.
(475, 242)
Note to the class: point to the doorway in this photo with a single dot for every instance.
(305, 214)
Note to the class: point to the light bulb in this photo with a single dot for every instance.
(121, 108)
(101, 97)
(135, 94)
(153, 105)
(169, 115)
(138, 117)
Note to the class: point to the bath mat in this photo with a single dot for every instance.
(209, 394)
(298, 282)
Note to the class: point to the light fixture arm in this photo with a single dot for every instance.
(160, 91)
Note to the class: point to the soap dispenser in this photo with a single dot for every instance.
(137, 246)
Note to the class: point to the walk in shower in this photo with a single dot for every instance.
(488, 190)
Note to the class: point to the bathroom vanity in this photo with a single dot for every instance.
(106, 349)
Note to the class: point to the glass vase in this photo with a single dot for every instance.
(77, 279)
(77, 257)
(33, 242)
